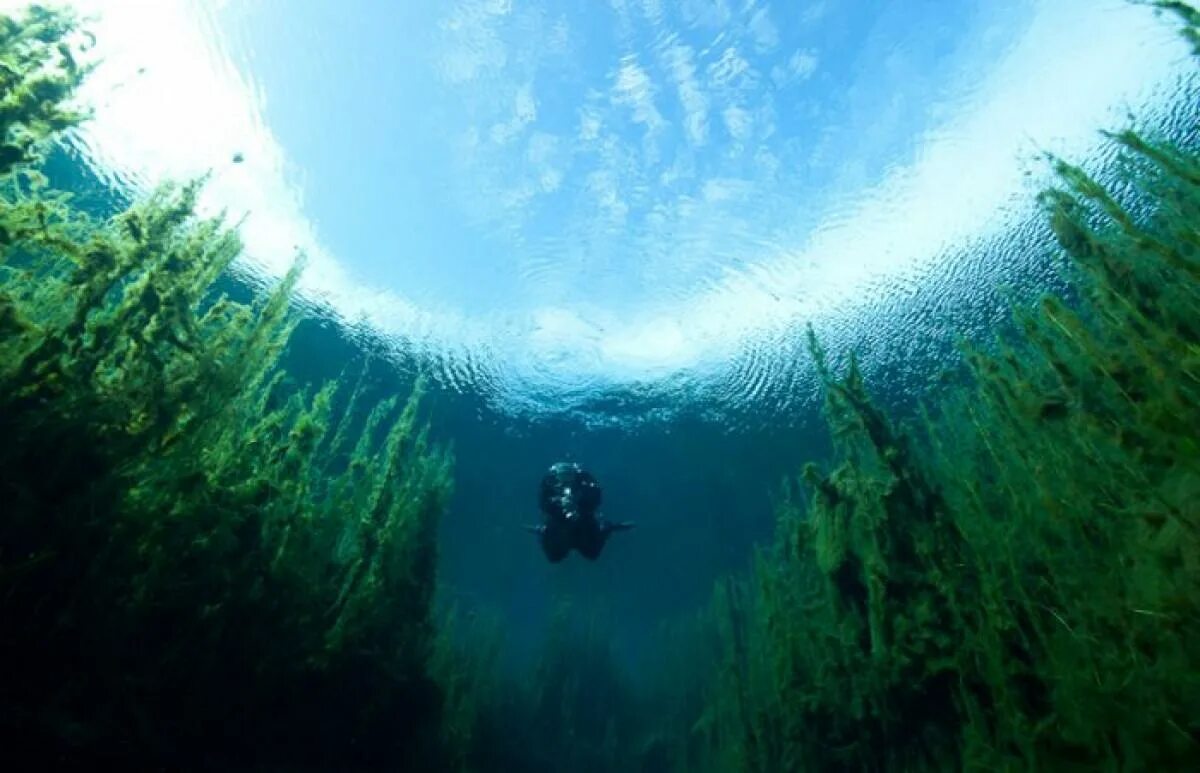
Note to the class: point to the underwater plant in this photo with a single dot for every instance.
(38, 76)
(1015, 584)
(572, 707)
(202, 563)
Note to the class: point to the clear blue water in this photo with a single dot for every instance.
(553, 200)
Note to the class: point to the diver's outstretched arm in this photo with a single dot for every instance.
(534, 529)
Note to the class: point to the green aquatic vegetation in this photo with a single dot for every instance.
(839, 651)
(466, 665)
(675, 717)
(571, 707)
(202, 561)
(38, 76)
(1016, 582)
(1188, 16)
(1095, 562)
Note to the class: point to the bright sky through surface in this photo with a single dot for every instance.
(586, 193)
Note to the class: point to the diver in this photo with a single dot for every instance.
(569, 499)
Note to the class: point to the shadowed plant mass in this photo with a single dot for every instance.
(1013, 583)
(199, 560)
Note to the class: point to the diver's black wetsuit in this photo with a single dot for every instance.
(569, 498)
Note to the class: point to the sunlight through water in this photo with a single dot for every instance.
(550, 204)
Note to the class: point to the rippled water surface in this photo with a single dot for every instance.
(639, 203)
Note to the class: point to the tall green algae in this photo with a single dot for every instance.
(1015, 584)
(575, 708)
(38, 73)
(199, 564)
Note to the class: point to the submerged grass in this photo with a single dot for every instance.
(575, 709)
(198, 563)
(1016, 584)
